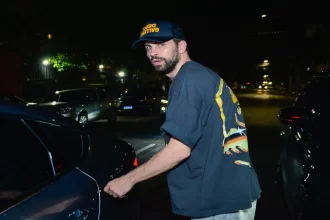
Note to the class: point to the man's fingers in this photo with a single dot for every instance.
(114, 190)
(115, 195)
(106, 188)
(111, 192)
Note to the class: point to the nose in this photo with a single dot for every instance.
(153, 51)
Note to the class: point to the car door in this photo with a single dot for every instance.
(37, 183)
(300, 139)
(104, 102)
(91, 104)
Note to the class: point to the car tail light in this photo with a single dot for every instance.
(293, 118)
(135, 162)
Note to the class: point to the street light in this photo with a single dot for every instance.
(101, 66)
(121, 74)
(45, 62)
(264, 15)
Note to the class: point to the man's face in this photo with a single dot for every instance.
(163, 56)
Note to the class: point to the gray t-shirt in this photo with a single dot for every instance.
(205, 115)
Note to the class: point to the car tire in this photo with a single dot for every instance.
(83, 118)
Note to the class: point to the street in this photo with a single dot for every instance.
(260, 109)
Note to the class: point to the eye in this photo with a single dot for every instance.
(161, 45)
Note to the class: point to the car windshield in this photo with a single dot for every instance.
(73, 96)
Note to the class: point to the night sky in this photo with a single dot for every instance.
(219, 34)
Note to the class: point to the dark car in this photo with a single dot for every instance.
(302, 137)
(142, 101)
(51, 167)
(16, 100)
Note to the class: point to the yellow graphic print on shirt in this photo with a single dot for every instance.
(235, 139)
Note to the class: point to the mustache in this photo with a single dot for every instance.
(157, 58)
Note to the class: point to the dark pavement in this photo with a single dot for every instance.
(260, 110)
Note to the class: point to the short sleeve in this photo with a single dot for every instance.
(183, 114)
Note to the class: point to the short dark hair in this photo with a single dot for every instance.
(177, 41)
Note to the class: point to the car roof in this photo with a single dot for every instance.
(34, 113)
(325, 73)
(70, 90)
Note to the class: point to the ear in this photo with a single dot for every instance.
(182, 46)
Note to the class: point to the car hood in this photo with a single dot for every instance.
(53, 104)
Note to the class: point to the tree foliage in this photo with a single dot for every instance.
(63, 62)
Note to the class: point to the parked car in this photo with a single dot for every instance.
(83, 105)
(52, 167)
(302, 138)
(142, 101)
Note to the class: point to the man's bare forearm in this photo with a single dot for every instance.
(170, 156)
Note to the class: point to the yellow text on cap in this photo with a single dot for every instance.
(150, 28)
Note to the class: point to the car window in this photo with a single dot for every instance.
(24, 162)
(314, 95)
(67, 146)
(90, 95)
(102, 94)
(71, 97)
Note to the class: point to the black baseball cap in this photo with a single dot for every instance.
(159, 31)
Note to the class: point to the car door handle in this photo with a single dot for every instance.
(79, 214)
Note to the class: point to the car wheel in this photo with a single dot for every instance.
(83, 118)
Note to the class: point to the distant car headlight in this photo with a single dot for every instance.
(118, 102)
(163, 109)
(65, 110)
(164, 101)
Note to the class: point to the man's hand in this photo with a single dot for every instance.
(119, 186)
(167, 158)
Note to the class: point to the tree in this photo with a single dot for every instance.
(63, 62)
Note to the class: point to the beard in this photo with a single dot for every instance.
(168, 64)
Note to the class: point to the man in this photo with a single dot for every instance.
(210, 174)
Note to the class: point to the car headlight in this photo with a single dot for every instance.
(65, 110)
(164, 101)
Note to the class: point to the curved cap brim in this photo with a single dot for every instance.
(139, 43)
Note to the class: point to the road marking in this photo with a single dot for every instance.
(145, 148)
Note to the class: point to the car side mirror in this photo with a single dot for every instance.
(292, 115)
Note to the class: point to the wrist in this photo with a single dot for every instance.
(131, 177)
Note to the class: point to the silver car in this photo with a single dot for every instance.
(83, 104)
